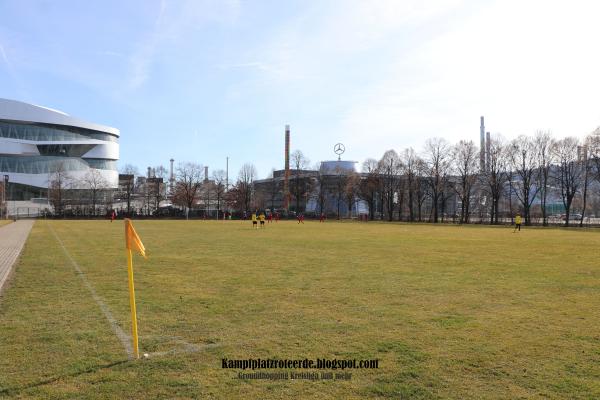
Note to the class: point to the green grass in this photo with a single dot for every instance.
(4, 222)
(450, 312)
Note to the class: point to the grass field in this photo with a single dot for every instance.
(450, 312)
(5, 222)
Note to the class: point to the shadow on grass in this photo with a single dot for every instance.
(14, 390)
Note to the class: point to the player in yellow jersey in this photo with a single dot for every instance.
(517, 223)
(254, 222)
(261, 218)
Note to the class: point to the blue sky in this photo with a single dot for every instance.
(203, 80)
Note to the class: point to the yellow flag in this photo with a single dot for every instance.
(132, 240)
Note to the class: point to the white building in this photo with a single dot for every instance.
(35, 141)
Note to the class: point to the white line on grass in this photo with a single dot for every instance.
(184, 347)
(123, 337)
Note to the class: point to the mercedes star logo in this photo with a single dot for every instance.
(339, 149)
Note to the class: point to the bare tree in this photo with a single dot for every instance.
(299, 186)
(390, 168)
(593, 143)
(245, 185)
(59, 181)
(420, 186)
(339, 187)
(523, 157)
(369, 185)
(207, 189)
(95, 184)
(588, 167)
(568, 174)
(159, 187)
(410, 159)
(465, 155)
(130, 171)
(543, 142)
(233, 199)
(187, 185)
(586, 172)
(495, 177)
(219, 177)
(437, 157)
(321, 187)
(351, 190)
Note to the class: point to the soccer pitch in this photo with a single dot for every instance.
(449, 311)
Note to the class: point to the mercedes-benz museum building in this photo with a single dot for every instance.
(37, 141)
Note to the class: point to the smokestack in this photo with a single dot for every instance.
(487, 151)
(482, 146)
(286, 179)
(149, 172)
(171, 177)
(205, 174)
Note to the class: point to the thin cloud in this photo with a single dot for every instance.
(251, 65)
(4, 57)
(142, 60)
(13, 75)
(173, 23)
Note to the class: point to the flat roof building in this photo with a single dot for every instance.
(37, 141)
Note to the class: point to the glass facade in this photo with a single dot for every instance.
(46, 165)
(49, 133)
(55, 154)
(100, 163)
(19, 192)
(64, 150)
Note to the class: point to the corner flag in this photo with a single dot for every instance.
(133, 242)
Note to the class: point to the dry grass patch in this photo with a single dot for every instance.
(450, 312)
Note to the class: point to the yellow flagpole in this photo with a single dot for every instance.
(134, 332)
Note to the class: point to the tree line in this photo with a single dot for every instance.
(531, 175)
(518, 176)
(527, 175)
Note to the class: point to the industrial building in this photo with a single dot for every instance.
(307, 190)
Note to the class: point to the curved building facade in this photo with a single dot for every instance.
(36, 141)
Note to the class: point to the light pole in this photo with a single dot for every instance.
(510, 190)
(4, 202)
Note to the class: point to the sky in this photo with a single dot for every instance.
(200, 81)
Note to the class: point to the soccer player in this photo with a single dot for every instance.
(254, 222)
(270, 217)
(517, 223)
(322, 219)
(261, 218)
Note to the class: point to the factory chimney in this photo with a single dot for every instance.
(286, 179)
(149, 172)
(487, 151)
(205, 174)
(482, 146)
(171, 177)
